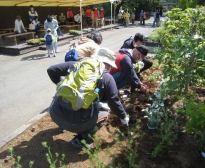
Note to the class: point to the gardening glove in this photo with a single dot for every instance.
(125, 121)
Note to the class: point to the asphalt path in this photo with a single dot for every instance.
(25, 88)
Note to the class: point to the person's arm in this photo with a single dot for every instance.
(128, 70)
(16, 26)
(56, 25)
(56, 71)
(45, 26)
(111, 94)
(36, 13)
(22, 25)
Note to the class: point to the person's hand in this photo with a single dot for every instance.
(125, 121)
(143, 88)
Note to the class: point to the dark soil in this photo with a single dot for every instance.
(184, 153)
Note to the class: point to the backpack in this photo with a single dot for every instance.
(78, 90)
(72, 54)
(157, 15)
(49, 38)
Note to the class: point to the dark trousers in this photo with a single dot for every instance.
(147, 64)
(83, 122)
(143, 21)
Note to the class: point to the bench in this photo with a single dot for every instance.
(75, 27)
(3, 35)
(19, 35)
(2, 32)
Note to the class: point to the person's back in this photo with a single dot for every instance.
(157, 15)
(49, 39)
(84, 121)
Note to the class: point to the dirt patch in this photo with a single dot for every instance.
(184, 153)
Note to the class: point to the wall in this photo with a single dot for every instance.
(8, 14)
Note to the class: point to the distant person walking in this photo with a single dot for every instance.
(127, 18)
(133, 18)
(157, 18)
(102, 17)
(141, 16)
(144, 17)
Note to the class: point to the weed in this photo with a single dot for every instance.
(50, 158)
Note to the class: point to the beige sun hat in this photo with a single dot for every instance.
(106, 55)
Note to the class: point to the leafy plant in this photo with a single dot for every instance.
(16, 162)
(34, 41)
(167, 134)
(182, 51)
(196, 113)
(53, 160)
(153, 76)
(73, 31)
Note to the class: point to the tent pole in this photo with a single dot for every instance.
(81, 19)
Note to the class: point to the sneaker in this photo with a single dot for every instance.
(103, 106)
(54, 55)
(61, 130)
(49, 55)
(77, 142)
(57, 51)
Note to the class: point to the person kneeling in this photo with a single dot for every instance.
(85, 120)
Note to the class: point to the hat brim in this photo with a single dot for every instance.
(105, 59)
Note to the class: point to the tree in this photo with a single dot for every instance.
(183, 4)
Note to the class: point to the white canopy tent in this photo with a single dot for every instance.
(57, 3)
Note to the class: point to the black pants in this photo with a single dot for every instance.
(143, 20)
(84, 122)
(147, 64)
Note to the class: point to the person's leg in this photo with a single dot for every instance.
(119, 79)
(147, 64)
(55, 44)
(96, 22)
(88, 135)
(92, 22)
(103, 22)
(54, 52)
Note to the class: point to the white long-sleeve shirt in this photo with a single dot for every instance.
(18, 25)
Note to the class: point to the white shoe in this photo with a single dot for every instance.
(103, 106)
(57, 51)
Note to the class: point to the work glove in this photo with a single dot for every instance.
(125, 121)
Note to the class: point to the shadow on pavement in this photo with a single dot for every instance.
(35, 57)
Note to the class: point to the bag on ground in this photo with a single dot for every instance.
(78, 90)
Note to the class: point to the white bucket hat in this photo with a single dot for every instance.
(106, 55)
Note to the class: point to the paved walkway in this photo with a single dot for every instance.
(25, 88)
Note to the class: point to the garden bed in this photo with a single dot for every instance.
(184, 153)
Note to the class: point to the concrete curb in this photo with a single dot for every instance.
(21, 129)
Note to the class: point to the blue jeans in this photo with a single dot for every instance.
(120, 78)
(59, 32)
